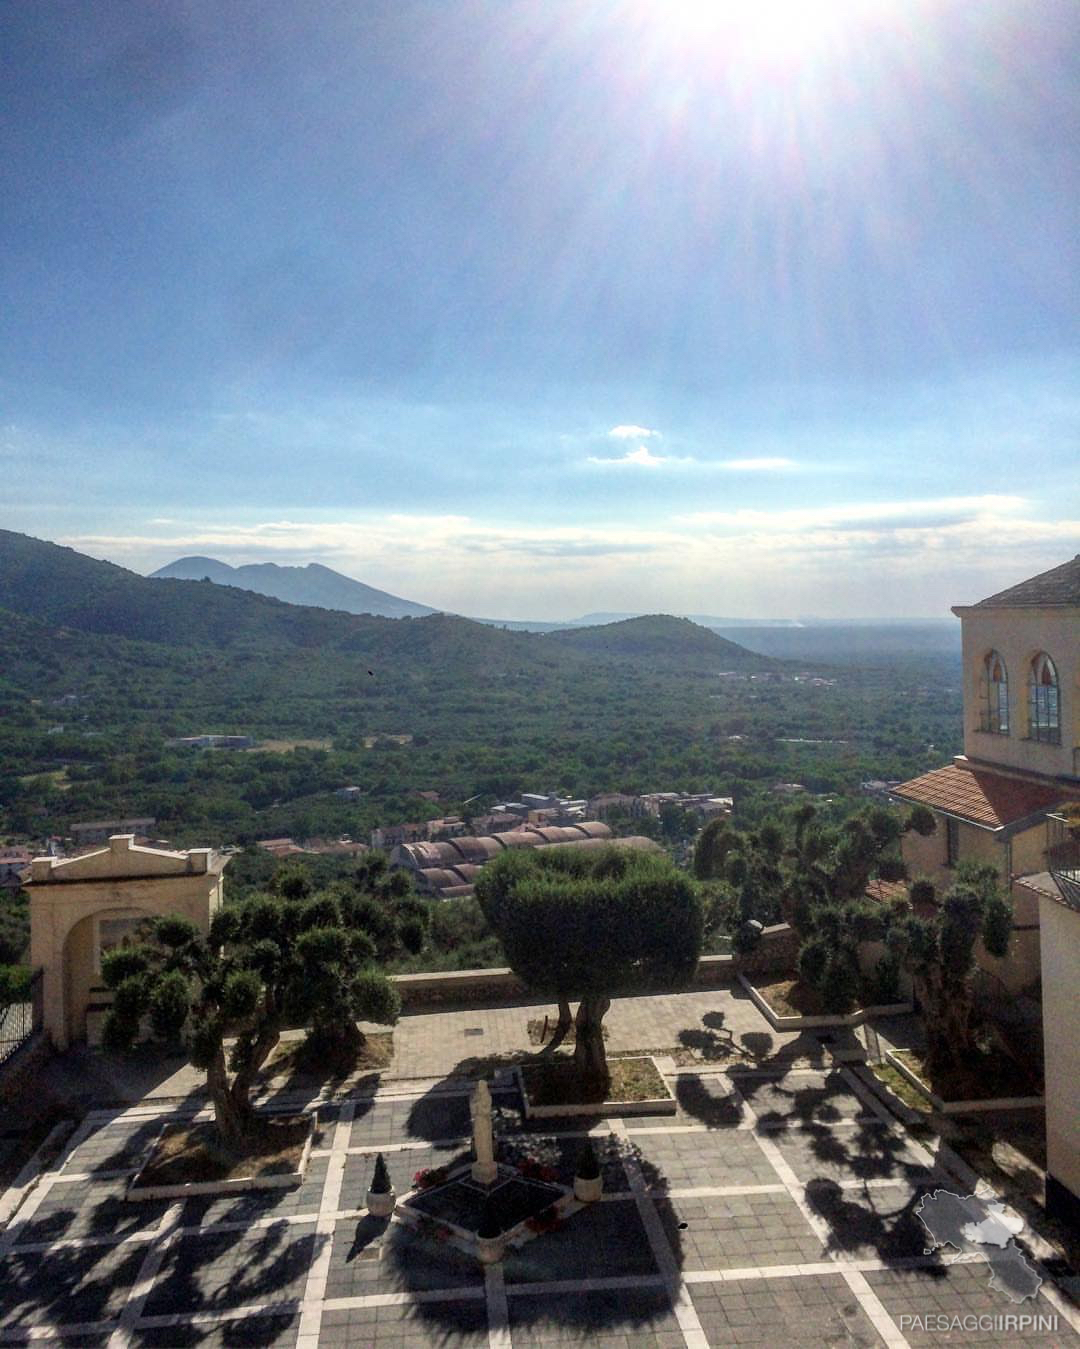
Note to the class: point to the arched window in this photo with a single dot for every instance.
(997, 695)
(1044, 716)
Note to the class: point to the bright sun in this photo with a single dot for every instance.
(766, 32)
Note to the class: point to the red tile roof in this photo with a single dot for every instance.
(1059, 586)
(983, 797)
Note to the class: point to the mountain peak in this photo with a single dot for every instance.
(309, 584)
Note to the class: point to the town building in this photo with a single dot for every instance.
(1021, 664)
(448, 870)
(100, 831)
(999, 801)
(14, 864)
(82, 907)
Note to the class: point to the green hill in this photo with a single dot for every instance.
(61, 588)
(659, 641)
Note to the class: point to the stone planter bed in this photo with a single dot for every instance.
(180, 1164)
(450, 1210)
(778, 1021)
(910, 1071)
(637, 1087)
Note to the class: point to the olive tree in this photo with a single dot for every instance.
(590, 924)
(266, 963)
(940, 954)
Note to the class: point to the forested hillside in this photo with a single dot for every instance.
(102, 667)
(660, 640)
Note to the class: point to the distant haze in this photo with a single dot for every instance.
(314, 584)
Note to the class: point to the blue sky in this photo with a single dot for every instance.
(529, 308)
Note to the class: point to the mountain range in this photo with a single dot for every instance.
(322, 587)
(62, 589)
(312, 584)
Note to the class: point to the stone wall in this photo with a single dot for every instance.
(486, 987)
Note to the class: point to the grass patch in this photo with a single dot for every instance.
(982, 1077)
(185, 1154)
(900, 1086)
(558, 1082)
(296, 1058)
(791, 997)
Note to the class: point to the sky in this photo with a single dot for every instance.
(531, 308)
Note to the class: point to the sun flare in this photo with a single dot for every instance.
(767, 32)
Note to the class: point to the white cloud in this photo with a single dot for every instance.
(763, 465)
(884, 558)
(643, 457)
(876, 512)
(632, 433)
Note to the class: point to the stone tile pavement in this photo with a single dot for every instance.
(776, 1207)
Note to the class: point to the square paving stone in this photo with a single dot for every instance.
(878, 1223)
(89, 1208)
(810, 1311)
(821, 1098)
(428, 1119)
(615, 1319)
(603, 1240)
(69, 1285)
(708, 1099)
(214, 1271)
(738, 1232)
(461, 1324)
(374, 1255)
(862, 1152)
(691, 1160)
(949, 1291)
(246, 1206)
(279, 1331)
(115, 1147)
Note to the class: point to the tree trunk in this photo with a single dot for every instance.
(244, 1077)
(233, 1122)
(566, 1018)
(590, 1057)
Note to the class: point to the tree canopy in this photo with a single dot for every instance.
(589, 925)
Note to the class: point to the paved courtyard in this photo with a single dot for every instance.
(775, 1208)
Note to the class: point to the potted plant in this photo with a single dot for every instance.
(587, 1183)
(489, 1246)
(380, 1195)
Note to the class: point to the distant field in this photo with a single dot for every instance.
(58, 777)
(284, 746)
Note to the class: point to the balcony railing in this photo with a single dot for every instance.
(1063, 857)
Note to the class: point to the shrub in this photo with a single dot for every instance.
(884, 984)
(839, 984)
(813, 958)
(588, 1168)
(380, 1180)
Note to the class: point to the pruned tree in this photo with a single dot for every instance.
(588, 925)
(940, 954)
(266, 963)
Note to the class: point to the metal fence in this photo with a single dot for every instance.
(19, 1020)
